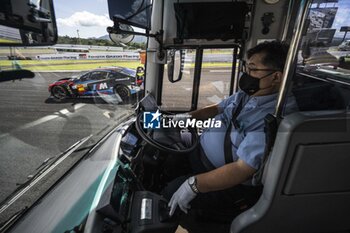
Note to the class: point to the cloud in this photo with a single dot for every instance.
(85, 19)
(342, 17)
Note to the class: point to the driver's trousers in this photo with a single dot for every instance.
(221, 206)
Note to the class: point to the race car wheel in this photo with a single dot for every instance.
(122, 91)
(59, 93)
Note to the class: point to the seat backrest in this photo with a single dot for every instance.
(307, 185)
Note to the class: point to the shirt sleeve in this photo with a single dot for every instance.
(251, 149)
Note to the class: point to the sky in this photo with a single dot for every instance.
(343, 17)
(91, 17)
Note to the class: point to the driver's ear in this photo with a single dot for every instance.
(277, 77)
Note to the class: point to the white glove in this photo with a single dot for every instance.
(181, 116)
(182, 197)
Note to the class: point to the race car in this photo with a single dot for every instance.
(117, 81)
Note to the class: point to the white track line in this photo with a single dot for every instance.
(51, 117)
(46, 118)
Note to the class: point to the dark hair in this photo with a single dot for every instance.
(275, 53)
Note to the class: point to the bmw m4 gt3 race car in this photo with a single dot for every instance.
(118, 81)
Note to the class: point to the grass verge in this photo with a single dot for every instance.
(49, 65)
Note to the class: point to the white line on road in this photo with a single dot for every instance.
(107, 114)
(220, 71)
(47, 118)
(50, 117)
(39, 121)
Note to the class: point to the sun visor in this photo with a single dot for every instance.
(210, 20)
(135, 13)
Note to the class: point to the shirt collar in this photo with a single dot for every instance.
(257, 101)
(262, 100)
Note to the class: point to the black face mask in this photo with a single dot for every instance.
(249, 84)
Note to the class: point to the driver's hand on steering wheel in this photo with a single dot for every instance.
(182, 197)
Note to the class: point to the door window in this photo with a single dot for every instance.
(323, 75)
(178, 95)
(98, 75)
(215, 76)
(213, 84)
(322, 52)
(85, 77)
(115, 75)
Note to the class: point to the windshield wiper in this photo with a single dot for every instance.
(43, 170)
(5, 225)
(41, 167)
(45, 163)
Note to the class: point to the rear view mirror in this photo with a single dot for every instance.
(27, 23)
(122, 38)
(176, 65)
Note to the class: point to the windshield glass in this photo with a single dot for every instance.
(44, 116)
(325, 51)
(215, 76)
(322, 80)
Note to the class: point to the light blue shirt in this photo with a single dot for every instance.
(248, 141)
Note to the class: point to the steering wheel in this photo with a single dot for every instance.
(167, 139)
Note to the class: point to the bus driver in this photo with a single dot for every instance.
(220, 183)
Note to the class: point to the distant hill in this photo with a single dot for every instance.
(139, 39)
(83, 41)
(105, 37)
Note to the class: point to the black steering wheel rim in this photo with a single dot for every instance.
(154, 143)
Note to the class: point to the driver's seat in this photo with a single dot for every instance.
(307, 178)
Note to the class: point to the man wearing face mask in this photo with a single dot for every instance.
(224, 183)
